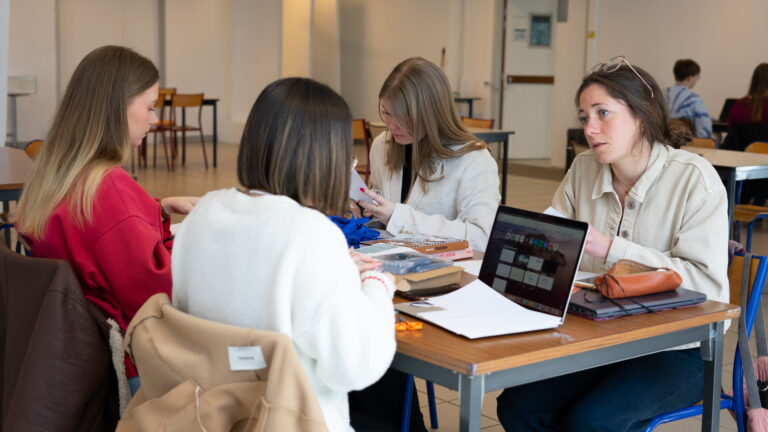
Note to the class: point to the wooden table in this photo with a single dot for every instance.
(15, 168)
(734, 166)
(502, 136)
(473, 367)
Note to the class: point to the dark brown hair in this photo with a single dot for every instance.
(758, 89)
(297, 142)
(624, 85)
(685, 68)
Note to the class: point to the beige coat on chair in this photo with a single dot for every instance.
(187, 381)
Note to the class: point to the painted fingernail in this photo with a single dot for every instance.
(362, 189)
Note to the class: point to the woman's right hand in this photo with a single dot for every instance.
(364, 262)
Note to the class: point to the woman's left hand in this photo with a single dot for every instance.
(180, 205)
(382, 211)
(364, 262)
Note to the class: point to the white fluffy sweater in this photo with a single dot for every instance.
(268, 263)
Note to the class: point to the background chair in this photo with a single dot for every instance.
(184, 101)
(477, 122)
(55, 357)
(361, 132)
(33, 148)
(703, 142)
(757, 277)
(163, 125)
(749, 213)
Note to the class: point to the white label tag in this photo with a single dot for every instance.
(246, 358)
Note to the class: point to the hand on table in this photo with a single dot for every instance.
(364, 262)
(179, 205)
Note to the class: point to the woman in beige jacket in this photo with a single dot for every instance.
(647, 201)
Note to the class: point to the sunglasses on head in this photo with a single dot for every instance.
(614, 64)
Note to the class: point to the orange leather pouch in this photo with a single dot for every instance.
(627, 278)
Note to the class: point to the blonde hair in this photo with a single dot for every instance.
(421, 101)
(88, 137)
(297, 142)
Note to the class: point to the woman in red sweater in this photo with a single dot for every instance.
(80, 206)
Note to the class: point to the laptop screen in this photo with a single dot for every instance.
(532, 258)
(726, 110)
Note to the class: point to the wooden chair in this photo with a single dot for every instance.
(703, 142)
(361, 132)
(748, 213)
(33, 148)
(163, 125)
(478, 123)
(735, 403)
(185, 101)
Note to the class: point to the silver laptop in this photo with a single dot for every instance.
(532, 259)
(530, 264)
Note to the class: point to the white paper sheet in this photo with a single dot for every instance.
(354, 189)
(477, 310)
(470, 266)
(553, 212)
(586, 276)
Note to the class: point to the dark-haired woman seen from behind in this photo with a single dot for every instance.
(266, 256)
(80, 206)
(647, 201)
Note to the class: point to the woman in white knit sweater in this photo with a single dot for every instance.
(265, 256)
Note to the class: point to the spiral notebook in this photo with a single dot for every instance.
(427, 244)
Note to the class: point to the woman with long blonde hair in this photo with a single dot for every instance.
(80, 206)
(435, 177)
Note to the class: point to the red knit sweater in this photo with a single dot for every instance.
(121, 258)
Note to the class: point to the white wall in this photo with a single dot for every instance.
(377, 35)
(325, 46)
(256, 49)
(32, 51)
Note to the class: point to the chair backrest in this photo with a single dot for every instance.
(477, 122)
(164, 94)
(33, 148)
(57, 370)
(360, 130)
(188, 361)
(703, 142)
(757, 147)
(179, 100)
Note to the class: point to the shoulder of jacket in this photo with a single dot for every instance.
(695, 165)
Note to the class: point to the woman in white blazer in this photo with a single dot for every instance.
(433, 176)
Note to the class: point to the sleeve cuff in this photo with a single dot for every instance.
(377, 280)
(398, 219)
(620, 249)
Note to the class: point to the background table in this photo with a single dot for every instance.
(502, 136)
(734, 166)
(473, 367)
(15, 168)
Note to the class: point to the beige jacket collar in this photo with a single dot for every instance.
(604, 183)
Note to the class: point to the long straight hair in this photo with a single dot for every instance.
(758, 90)
(88, 137)
(420, 97)
(297, 142)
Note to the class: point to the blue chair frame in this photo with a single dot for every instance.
(734, 403)
(405, 422)
(18, 242)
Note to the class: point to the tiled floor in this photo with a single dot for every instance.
(524, 192)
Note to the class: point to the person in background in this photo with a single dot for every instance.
(682, 102)
(647, 201)
(434, 177)
(752, 108)
(80, 206)
(273, 260)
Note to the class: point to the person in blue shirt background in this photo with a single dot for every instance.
(684, 103)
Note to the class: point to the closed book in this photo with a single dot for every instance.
(456, 254)
(424, 244)
(429, 282)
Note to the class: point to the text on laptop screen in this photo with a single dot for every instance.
(532, 260)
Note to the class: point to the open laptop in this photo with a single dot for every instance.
(726, 110)
(592, 305)
(530, 264)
